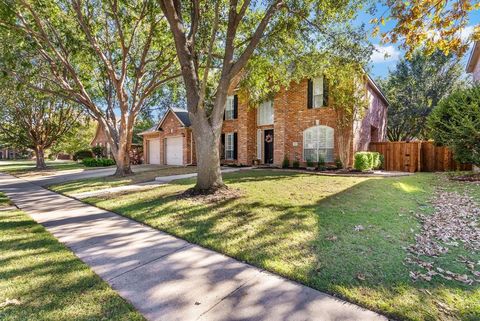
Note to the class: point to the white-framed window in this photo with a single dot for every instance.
(229, 146)
(229, 108)
(317, 92)
(318, 141)
(265, 113)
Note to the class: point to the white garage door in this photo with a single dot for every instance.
(154, 151)
(175, 151)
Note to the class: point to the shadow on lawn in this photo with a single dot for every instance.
(318, 242)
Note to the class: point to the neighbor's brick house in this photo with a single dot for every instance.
(473, 65)
(297, 124)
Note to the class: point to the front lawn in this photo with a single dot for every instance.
(21, 167)
(343, 235)
(93, 184)
(40, 279)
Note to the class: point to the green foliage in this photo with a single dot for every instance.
(82, 154)
(98, 151)
(455, 122)
(97, 162)
(286, 162)
(77, 138)
(321, 162)
(365, 161)
(414, 88)
(310, 163)
(296, 164)
(338, 163)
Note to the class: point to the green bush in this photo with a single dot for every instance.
(98, 162)
(98, 151)
(338, 163)
(455, 123)
(286, 162)
(296, 164)
(321, 163)
(365, 161)
(382, 162)
(310, 163)
(82, 154)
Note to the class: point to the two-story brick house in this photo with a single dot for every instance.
(297, 124)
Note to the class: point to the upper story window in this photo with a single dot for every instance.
(231, 108)
(265, 113)
(317, 92)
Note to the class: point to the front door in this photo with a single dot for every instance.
(268, 146)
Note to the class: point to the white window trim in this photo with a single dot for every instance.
(327, 144)
(229, 108)
(317, 84)
(229, 146)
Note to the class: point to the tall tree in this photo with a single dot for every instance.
(110, 56)
(414, 88)
(429, 24)
(217, 43)
(29, 119)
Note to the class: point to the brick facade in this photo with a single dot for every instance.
(291, 119)
(170, 127)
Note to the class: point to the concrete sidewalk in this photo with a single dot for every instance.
(167, 278)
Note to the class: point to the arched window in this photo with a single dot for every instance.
(318, 142)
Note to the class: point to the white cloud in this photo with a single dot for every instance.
(384, 53)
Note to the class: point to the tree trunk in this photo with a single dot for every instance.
(40, 158)
(122, 160)
(207, 142)
(344, 147)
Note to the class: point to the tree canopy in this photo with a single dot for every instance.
(414, 88)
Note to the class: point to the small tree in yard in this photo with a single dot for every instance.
(109, 56)
(217, 42)
(455, 122)
(35, 121)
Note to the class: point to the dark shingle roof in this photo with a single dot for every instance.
(182, 114)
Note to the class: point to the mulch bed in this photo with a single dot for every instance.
(455, 222)
(219, 195)
(467, 178)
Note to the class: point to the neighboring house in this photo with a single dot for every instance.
(101, 139)
(297, 124)
(170, 142)
(8, 153)
(473, 65)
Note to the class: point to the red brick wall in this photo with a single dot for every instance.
(171, 127)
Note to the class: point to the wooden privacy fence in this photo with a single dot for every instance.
(417, 157)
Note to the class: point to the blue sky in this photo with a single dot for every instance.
(379, 64)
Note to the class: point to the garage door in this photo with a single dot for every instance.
(174, 151)
(154, 151)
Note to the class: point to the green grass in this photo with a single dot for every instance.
(302, 226)
(19, 167)
(92, 184)
(48, 281)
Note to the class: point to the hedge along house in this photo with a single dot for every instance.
(170, 142)
(297, 124)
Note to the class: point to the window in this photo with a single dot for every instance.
(230, 108)
(265, 113)
(318, 142)
(229, 146)
(317, 92)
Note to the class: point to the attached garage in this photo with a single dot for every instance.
(174, 150)
(154, 151)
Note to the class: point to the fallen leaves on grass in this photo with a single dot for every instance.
(8, 302)
(455, 222)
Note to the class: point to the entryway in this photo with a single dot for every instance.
(174, 150)
(268, 146)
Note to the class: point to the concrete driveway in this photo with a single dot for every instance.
(167, 278)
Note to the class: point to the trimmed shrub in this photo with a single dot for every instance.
(286, 163)
(365, 161)
(82, 154)
(296, 164)
(338, 163)
(310, 163)
(97, 162)
(321, 163)
(98, 151)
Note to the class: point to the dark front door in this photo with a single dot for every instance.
(268, 146)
